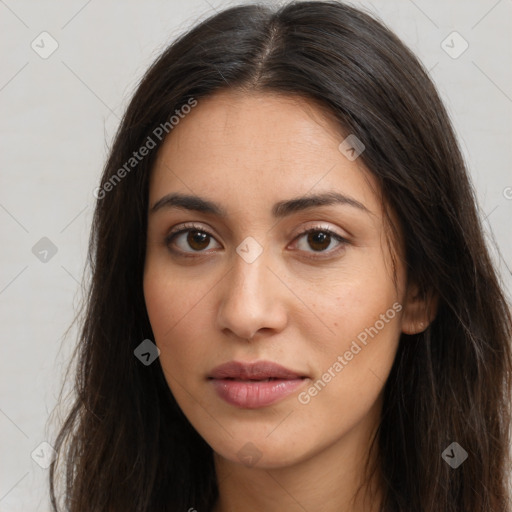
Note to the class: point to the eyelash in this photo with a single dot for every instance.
(192, 227)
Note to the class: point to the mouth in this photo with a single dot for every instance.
(254, 385)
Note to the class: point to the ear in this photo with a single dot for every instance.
(419, 310)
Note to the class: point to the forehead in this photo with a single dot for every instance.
(265, 145)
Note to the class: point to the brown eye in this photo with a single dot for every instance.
(189, 239)
(198, 240)
(319, 240)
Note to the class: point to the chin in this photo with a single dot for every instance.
(260, 452)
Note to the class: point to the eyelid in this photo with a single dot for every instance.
(186, 227)
(320, 227)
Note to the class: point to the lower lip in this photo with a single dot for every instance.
(255, 394)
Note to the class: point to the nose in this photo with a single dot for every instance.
(252, 300)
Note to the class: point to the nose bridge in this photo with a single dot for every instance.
(250, 297)
(249, 278)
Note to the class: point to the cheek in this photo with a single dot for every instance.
(169, 296)
(351, 304)
(161, 303)
(352, 367)
(362, 311)
(177, 312)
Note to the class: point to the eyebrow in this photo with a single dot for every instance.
(279, 210)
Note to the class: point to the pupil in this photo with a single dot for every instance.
(319, 238)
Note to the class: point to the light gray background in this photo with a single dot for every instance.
(58, 118)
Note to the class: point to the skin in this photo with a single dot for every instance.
(302, 307)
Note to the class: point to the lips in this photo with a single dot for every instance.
(254, 385)
(260, 370)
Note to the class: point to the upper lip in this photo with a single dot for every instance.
(258, 370)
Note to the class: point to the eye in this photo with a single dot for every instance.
(197, 238)
(320, 239)
(191, 236)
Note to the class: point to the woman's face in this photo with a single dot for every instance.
(245, 285)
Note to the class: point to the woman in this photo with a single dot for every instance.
(292, 306)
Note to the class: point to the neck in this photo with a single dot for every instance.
(330, 478)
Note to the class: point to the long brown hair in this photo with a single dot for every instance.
(126, 445)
